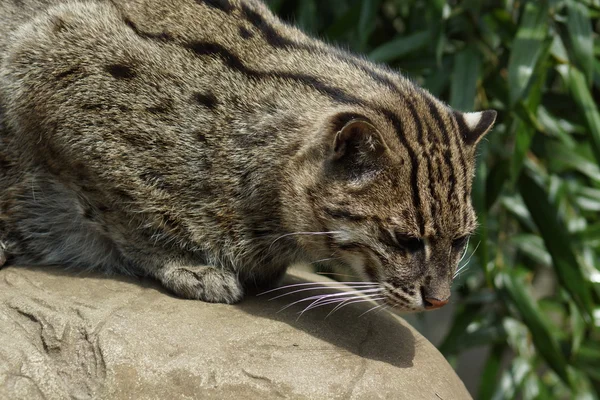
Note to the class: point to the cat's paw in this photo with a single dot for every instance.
(204, 283)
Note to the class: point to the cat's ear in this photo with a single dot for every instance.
(357, 139)
(474, 125)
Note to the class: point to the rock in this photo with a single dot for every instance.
(73, 335)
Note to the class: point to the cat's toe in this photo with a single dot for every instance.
(203, 283)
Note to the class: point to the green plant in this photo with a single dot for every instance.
(531, 292)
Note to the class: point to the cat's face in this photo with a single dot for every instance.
(398, 211)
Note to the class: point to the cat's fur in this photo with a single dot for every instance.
(201, 141)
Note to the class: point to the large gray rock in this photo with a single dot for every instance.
(65, 335)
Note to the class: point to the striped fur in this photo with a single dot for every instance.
(200, 141)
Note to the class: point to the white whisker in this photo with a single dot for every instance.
(349, 284)
(313, 288)
(303, 233)
(464, 266)
(371, 309)
(344, 304)
(319, 303)
(322, 260)
(326, 296)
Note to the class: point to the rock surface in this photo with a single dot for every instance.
(65, 335)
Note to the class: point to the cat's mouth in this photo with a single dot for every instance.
(409, 298)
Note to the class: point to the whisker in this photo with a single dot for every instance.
(352, 299)
(466, 250)
(303, 233)
(464, 266)
(372, 309)
(311, 288)
(319, 297)
(324, 259)
(349, 284)
(344, 304)
(324, 302)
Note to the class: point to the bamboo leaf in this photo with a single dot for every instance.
(464, 79)
(366, 23)
(527, 48)
(539, 327)
(583, 98)
(580, 33)
(400, 47)
(557, 241)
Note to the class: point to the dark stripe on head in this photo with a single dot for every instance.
(275, 39)
(456, 121)
(414, 176)
(245, 33)
(223, 5)
(268, 32)
(441, 126)
(235, 63)
(162, 36)
(425, 150)
(343, 214)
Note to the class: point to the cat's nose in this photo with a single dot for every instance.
(432, 303)
(433, 298)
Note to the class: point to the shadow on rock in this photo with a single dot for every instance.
(376, 335)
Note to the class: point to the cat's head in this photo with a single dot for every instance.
(391, 190)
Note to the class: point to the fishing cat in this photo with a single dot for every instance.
(208, 145)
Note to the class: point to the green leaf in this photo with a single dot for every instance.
(400, 47)
(533, 246)
(576, 82)
(536, 322)
(489, 377)
(463, 86)
(556, 239)
(580, 32)
(368, 18)
(527, 48)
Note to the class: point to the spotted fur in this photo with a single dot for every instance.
(209, 145)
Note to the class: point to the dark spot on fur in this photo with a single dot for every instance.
(164, 106)
(155, 179)
(201, 136)
(59, 25)
(89, 213)
(4, 164)
(245, 33)
(207, 100)
(123, 195)
(92, 107)
(121, 71)
(223, 5)
(68, 73)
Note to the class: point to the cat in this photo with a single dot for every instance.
(208, 145)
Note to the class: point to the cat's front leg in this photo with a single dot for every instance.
(201, 282)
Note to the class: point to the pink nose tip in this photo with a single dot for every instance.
(432, 304)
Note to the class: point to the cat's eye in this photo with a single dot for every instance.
(409, 243)
(461, 242)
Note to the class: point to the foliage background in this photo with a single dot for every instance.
(531, 291)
